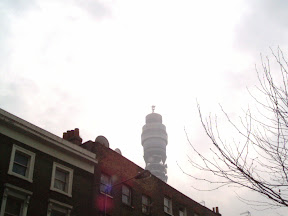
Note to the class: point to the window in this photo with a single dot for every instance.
(146, 203)
(105, 184)
(13, 206)
(62, 178)
(182, 212)
(15, 201)
(57, 213)
(56, 208)
(126, 195)
(167, 205)
(22, 163)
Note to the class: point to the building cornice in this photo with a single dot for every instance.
(40, 139)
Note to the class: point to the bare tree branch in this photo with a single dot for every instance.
(259, 160)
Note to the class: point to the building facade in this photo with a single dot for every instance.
(43, 174)
(137, 197)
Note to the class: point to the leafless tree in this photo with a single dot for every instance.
(259, 159)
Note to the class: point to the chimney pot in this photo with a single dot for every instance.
(76, 132)
(65, 135)
(217, 210)
(73, 136)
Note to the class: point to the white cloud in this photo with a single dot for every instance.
(264, 25)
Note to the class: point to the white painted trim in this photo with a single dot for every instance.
(59, 206)
(184, 211)
(20, 193)
(170, 205)
(110, 196)
(107, 184)
(30, 167)
(46, 142)
(129, 196)
(148, 205)
(18, 189)
(70, 179)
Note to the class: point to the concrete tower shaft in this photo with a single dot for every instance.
(154, 142)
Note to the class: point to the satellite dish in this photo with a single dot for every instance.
(118, 151)
(102, 140)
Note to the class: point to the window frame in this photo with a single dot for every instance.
(68, 191)
(30, 166)
(129, 195)
(182, 209)
(58, 206)
(108, 193)
(14, 206)
(146, 206)
(16, 193)
(169, 205)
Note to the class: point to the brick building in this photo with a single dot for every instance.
(137, 197)
(42, 174)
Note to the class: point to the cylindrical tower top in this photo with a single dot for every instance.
(154, 141)
(154, 118)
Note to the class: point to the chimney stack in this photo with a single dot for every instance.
(73, 136)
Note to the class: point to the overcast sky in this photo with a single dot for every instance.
(101, 65)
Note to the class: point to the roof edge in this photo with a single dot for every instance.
(19, 123)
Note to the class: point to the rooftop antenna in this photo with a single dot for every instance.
(246, 213)
(153, 109)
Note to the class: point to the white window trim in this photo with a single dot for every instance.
(147, 205)
(109, 193)
(130, 195)
(58, 206)
(20, 193)
(29, 176)
(183, 210)
(70, 179)
(170, 205)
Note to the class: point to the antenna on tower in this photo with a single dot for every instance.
(153, 109)
(202, 202)
(247, 213)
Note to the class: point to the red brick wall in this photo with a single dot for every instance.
(121, 169)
